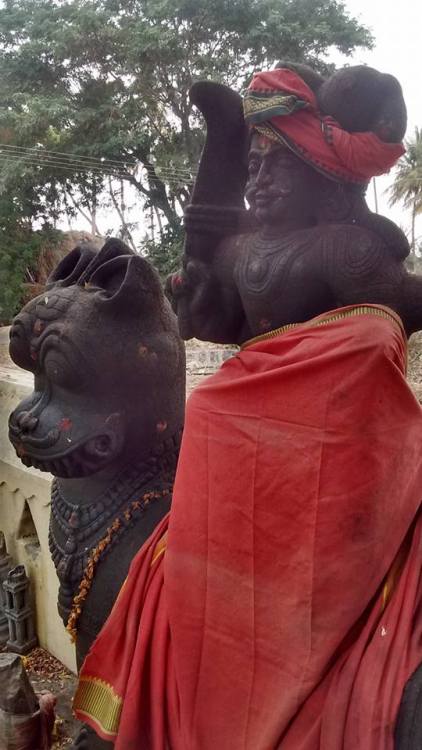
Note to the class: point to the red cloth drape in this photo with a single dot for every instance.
(122, 685)
(277, 624)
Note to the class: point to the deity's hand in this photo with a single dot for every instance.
(191, 292)
(177, 287)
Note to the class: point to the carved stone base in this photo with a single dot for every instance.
(25, 648)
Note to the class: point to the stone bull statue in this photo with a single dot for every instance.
(105, 418)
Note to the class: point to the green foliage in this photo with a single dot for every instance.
(19, 251)
(166, 254)
(110, 79)
(407, 186)
(17, 254)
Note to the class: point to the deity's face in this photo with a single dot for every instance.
(280, 185)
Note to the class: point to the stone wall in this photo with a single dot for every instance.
(414, 373)
(203, 359)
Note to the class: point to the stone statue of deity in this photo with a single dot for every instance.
(105, 418)
(302, 156)
(278, 606)
(300, 149)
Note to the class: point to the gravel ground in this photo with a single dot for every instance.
(48, 673)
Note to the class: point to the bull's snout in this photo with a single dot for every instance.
(26, 421)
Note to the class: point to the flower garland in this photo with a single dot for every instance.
(95, 555)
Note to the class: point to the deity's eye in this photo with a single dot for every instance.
(282, 159)
(254, 165)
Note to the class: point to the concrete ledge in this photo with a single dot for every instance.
(24, 519)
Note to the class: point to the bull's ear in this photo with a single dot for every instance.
(113, 248)
(73, 265)
(128, 284)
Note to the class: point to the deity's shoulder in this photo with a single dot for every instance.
(362, 245)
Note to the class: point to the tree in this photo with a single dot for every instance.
(407, 185)
(20, 248)
(109, 79)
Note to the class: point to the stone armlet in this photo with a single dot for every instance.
(221, 220)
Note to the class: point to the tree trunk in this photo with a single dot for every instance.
(126, 233)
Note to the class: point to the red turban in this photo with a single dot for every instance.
(281, 106)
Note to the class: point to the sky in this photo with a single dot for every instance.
(396, 27)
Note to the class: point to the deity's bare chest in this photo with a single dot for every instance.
(275, 280)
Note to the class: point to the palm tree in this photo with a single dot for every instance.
(407, 186)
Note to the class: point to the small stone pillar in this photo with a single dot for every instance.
(6, 565)
(19, 612)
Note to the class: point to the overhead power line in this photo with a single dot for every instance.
(101, 165)
(39, 150)
(33, 162)
(91, 160)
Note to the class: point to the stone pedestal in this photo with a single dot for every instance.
(19, 612)
(6, 565)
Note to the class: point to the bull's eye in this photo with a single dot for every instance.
(100, 447)
(102, 444)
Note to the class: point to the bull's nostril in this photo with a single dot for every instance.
(26, 422)
(31, 424)
(20, 418)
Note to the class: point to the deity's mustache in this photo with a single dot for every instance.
(263, 195)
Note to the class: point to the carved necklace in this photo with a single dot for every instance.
(118, 525)
(82, 526)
